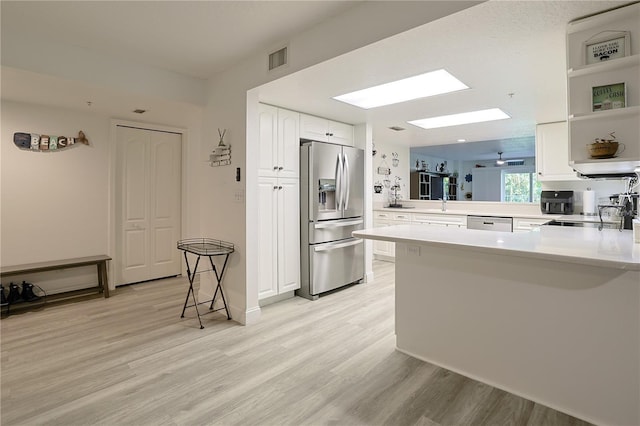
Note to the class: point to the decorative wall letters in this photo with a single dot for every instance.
(36, 142)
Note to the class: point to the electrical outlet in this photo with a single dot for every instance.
(238, 196)
(413, 250)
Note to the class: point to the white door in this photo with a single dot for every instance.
(383, 248)
(268, 147)
(267, 237)
(313, 128)
(148, 182)
(340, 133)
(288, 235)
(552, 152)
(288, 143)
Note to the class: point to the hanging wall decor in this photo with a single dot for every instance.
(384, 169)
(222, 153)
(36, 142)
(395, 161)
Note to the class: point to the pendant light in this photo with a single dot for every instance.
(500, 161)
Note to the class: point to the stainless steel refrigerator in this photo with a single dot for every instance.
(331, 207)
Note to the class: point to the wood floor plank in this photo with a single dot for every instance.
(131, 360)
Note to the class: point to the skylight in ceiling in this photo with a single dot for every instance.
(462, 118)
(419, 86)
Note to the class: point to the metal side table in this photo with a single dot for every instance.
(209, 248)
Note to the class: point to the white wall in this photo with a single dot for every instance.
(400, 171)
(602, 188)
(55, 205)
(227, 209)
(82, 65)
(231, 100)
(487, 184)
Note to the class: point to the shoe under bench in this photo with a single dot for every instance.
(28, 268)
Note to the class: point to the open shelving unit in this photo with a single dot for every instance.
(585, 125)
(432, 185)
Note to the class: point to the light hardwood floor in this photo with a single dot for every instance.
(131, 360)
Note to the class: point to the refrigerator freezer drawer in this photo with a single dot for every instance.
(336, 264)
(333, 230)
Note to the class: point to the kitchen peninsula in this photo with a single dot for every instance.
(552, 315)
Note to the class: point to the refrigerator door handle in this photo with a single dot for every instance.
(334, 246)
(338, 193)
(347, 177)
(338, 224)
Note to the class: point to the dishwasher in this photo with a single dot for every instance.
(490, 223)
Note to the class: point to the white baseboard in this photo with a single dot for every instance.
(277, 298)
(252, 316)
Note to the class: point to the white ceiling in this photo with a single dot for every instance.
(194, 38)
(497, 48)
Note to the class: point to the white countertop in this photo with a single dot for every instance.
(608, 248)
(558, 217)
(469, 212)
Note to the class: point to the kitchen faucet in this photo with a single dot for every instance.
(444, 203)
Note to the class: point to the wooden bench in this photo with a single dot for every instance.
(30, 268)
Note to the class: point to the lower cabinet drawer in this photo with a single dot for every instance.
(441, 219)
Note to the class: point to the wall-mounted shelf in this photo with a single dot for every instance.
(611, 113)
(611, 65)
(615, 165)
(586, 125)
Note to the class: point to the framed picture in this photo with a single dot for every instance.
(610, 96)
(607, 45)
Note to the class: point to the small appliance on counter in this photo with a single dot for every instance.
(624, 206)
(556, 202)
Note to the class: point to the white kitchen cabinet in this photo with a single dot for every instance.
(434, 219)
(279, 236)
(383, 250)
(552, 152)
(521, 224)
(321, 129)
(621, 114)
(279, 148)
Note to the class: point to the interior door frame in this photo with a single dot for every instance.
(113, 201)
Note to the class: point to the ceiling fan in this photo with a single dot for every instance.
(500, 161)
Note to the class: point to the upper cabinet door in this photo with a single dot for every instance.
(268, 147)
(288, 143)
(340, 133)
(314, 128)
(323, 130)
(552, 152)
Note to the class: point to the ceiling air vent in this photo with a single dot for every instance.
(278, 58)
(515, 162)
(397, 128)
